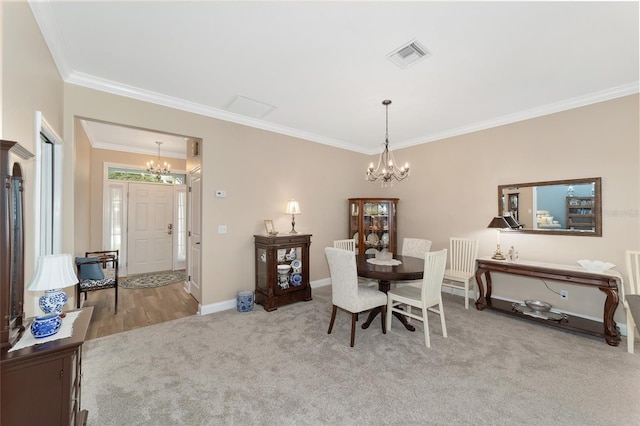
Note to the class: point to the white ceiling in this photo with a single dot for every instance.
(321, 68)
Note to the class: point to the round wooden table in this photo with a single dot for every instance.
(411, 268)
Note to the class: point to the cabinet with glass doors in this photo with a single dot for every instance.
(372, 223)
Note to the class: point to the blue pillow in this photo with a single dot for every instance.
(89, 268)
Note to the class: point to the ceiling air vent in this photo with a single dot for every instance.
(408, 54)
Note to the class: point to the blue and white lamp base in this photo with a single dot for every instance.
(53, 301)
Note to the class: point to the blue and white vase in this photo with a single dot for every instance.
(244, 301)
(53, 301)
(46, 325)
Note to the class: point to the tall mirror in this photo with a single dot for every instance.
(564, 207)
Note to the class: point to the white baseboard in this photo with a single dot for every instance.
(231, 304)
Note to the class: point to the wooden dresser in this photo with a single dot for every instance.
(41, 384)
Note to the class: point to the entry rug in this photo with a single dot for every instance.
(152, 280)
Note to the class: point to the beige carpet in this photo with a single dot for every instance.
(281, 368)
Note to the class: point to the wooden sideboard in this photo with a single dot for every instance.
(606, 282)
(41, 384)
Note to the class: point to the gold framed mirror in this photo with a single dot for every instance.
(562, 207)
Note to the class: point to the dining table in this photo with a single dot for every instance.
(410, 269)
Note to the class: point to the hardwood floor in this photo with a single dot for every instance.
(137, 308)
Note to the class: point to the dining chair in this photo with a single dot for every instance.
(346, 294)
(425, 298)
(632, 260)
(351, 245)
(462, 266)
(345, 244)
(414, 247)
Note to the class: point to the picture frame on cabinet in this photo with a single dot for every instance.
(268, 226)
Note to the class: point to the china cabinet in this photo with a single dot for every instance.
(282, 269)
(580, 213)
(372, 223)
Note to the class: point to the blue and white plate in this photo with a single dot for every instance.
(296, 264)
(296, 279)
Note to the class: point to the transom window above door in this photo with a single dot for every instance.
(134, 174)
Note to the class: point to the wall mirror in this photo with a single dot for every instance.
(563, 207)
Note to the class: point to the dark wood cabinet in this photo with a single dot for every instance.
(282, 269)
(41, 384)
(372, 223)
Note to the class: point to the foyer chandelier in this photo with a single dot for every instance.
(387, 169)
(155, 168)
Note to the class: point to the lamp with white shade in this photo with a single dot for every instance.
(53, 273)
(293, 208)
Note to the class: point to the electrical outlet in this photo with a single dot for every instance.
(564, 294)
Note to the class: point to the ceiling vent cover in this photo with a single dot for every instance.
(409, 54)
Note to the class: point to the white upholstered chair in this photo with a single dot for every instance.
(414, 247)
(425, 298)
(462, 254)
(351, 245)
(346, 294)
(632, 260)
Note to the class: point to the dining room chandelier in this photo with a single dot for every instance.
(156, 168)
(387, 169)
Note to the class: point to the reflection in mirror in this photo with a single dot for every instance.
(567, 207)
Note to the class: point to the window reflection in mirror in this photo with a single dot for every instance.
(567, 207)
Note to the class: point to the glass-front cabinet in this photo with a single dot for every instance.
(282, 269)
(372, 223)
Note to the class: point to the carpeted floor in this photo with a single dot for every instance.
(154, 279)
(282, 368)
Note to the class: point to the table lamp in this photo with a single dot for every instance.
(499, 222)
(293, 208)
(53, 273)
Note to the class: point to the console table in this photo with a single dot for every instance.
(606, 282)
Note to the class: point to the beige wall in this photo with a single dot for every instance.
(30, 82)
(82, 192)
(453, 190)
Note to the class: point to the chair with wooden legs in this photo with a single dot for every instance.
(425, 298)
(462, 266)
(346, 294)
(630, 300)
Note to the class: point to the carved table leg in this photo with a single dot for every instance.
(385, 286)
(482, 300)
(611, 332)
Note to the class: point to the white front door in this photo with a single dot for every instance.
(150, 236)
(195, 234)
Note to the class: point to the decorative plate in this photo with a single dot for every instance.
(296, 279)
(385, 237)
(372, 238)
(296, 264)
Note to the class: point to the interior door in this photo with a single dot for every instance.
(195, 234)
(150, 236)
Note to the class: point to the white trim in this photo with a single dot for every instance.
(231, 304)
(42, 126)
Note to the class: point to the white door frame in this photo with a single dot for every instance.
(194, 227)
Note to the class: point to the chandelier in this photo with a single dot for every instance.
(387, 170)
(156, 169)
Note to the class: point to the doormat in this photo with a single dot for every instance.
(152, 280)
